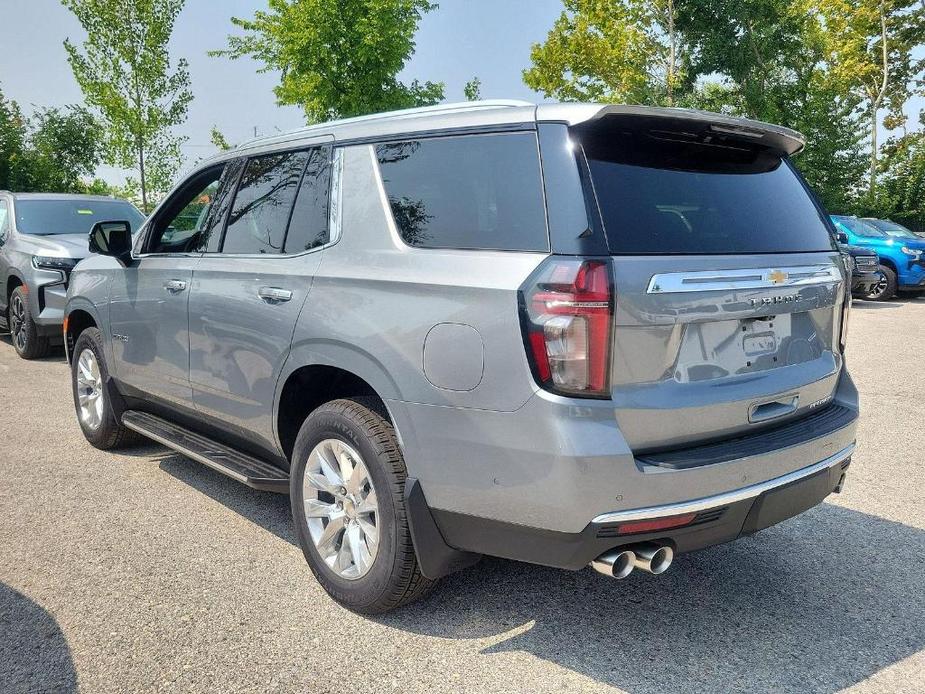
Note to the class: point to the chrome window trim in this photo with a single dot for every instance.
(709, 502)
(753, 278)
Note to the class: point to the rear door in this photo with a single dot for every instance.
(247, 296)
(729, 289)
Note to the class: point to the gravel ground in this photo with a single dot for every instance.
(147, 572)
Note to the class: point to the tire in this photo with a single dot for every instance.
(23, 332)
(387, 574)
(886, 289)
(92, 402)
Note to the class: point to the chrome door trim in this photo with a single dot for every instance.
(697, 505)
(752, 278)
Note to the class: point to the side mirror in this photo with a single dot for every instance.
(842, 237)
(113, 239)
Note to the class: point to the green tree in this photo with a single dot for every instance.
(337, 58)
(218, 139)
(64, 147)
(125, 73)
(12, 143)
(869, 48)
(473, 89)
(611, 50)
(776, 60)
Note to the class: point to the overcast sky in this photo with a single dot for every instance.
(459, 40)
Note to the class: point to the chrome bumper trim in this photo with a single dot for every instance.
(726, 498)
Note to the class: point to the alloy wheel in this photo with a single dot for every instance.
(18, 323)
(879, 289)
(341, 508)
(90, 396)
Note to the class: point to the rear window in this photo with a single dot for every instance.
(471, 191)
(664, 196)
(49, 217)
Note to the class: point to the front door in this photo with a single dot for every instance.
(247, 297)
(149, 309)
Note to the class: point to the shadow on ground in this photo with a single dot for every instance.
(815, 604)
(34, 655)
(873, 305)
(55, 355)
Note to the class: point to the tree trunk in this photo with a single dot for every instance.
(144, 183)
(672, 52)
(872, 186)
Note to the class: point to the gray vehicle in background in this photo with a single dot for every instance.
(563, 334)
(42, 237)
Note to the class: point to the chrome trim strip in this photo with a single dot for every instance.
(725, 499)
(751, 278)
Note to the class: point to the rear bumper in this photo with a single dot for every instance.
(556, 464)
(720, 518)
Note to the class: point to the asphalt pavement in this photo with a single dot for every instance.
(145, 571)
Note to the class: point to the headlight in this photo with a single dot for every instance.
(48, 263)
(910, 251)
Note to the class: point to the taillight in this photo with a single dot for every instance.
(566, 310)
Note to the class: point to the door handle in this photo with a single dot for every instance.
(175, 286)
(274, 295)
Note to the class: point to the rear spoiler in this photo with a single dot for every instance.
(703, 125)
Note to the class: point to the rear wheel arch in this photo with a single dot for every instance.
(308, 388)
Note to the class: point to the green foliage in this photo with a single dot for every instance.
(610, 50)
(125, 73)
(218, 139)
(53, 151)
(12, 144)
(901, 195)
(65, 146)
(473, 89)
(337, 58)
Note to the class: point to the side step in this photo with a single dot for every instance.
(239, 466)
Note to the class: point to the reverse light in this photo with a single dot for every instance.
(566, 309)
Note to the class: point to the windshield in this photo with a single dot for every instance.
(892, 228)
(660, 196)
(52, 217)
(861, 228)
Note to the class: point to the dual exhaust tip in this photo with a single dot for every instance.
(646, 556)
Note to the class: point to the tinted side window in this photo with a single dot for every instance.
(308, 227)
(209, 239)
(471, 191)
(4, 220)
(260, 213)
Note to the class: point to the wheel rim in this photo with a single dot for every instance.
(879, 288)
(341, 508)
(90, 396)
(18, 322)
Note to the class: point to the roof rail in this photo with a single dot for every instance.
(456, 107)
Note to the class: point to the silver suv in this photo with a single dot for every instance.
(563, 334)
(42, 238)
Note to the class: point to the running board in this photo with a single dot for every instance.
(239, 466)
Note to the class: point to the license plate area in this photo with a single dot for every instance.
(759, 343)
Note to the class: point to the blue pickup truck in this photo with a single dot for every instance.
(902, 254)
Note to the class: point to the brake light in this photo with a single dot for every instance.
(566, 309)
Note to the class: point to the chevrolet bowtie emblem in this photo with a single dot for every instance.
(777, 276)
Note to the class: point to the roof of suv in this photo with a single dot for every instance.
(58, 196)
(478, 115)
